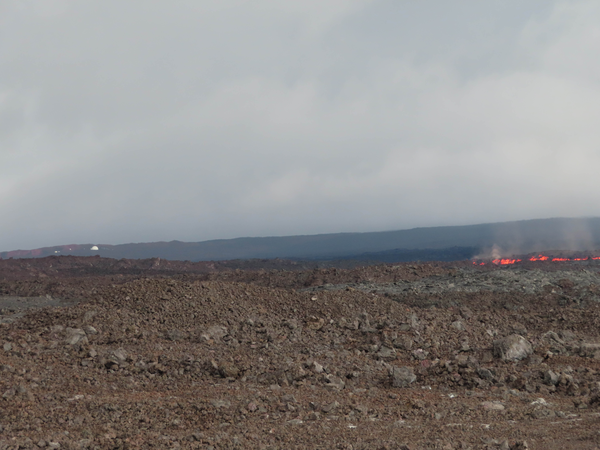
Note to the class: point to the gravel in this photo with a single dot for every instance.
(396, 356)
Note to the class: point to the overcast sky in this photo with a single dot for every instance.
(146, 120)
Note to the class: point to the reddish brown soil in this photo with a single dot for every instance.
(155, 354)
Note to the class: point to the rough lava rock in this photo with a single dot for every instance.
(402, 376)
(106, 354)
(512, 348)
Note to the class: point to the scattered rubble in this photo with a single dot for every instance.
(412, 356)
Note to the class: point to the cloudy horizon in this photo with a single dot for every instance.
(195, 120)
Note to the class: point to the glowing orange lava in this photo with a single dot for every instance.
(505, 261)
(539, 258)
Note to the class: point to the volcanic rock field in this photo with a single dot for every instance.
(121, 354)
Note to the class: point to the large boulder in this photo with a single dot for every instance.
(75, 336)
(402, 376)
(512, 348)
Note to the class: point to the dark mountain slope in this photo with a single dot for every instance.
(516, 237)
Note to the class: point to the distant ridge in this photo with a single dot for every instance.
(508, 237)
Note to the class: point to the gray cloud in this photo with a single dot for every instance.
(192, 120)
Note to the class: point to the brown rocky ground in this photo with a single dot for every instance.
(100, 353)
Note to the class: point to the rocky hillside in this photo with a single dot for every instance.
(429, 356)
